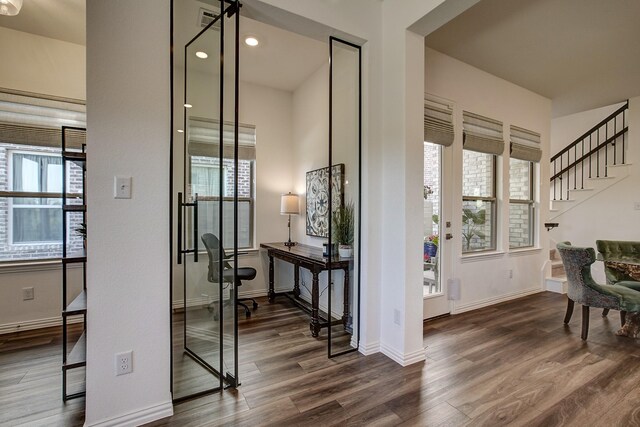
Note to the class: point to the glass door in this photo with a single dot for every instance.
(205, 326)
(437, 230)
(344, 196)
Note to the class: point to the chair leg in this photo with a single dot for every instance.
(623, 318)
(247, 312)
(605, 312)
(567, 316)
(585, 322)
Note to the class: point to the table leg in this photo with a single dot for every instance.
(631, 326)
(315, 302)
(272, 294)
(296, 280)
(345, 311)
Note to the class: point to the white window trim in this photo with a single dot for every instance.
(11, 205)
(495, 211)
(530, 202)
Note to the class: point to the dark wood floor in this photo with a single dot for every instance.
(510, 364)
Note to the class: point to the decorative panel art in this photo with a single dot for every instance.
(318, 198)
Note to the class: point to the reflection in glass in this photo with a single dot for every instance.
(345, 221)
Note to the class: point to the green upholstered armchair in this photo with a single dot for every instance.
(584, 290)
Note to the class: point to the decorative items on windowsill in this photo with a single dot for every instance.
(343, 229)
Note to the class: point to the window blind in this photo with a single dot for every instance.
(482, 134)
(438, 122)
(525, 144)
(29, 119)
(204, 139)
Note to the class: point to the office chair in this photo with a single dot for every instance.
(212, 244)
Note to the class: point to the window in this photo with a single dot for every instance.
(31, 176)
(205, 164)
(478, 201)
(35, 220)
(521, 213)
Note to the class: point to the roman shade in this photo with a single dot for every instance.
(204, 139)
(482, 134)
(28, 119)
(525, 144)
(438, 122)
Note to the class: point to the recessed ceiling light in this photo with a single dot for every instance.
(251, 41)
(188, 105)
(202, 55)
(180, 131)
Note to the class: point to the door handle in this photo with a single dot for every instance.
(181, 206)
(180, 228)
(448, 236)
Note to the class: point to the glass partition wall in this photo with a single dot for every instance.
(204, 320)
(344, 228)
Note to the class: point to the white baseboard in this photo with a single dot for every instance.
(369, 348)
(403, 359)
(29, 325)
(137, 418)
(457, 309)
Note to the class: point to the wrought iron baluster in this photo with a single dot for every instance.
(598, 155)
(606, 149)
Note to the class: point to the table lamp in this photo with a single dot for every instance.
(289, 205)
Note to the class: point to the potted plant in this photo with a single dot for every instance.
(431, 245)
(82, 231)
(343, 226)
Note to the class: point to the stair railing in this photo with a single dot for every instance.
(601, 146)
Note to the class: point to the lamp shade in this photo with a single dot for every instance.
(10, 7)
(289, 204)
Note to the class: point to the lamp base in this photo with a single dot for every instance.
(289, 243)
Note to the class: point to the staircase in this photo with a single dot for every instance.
(592, 163)
(589, 165)
(557, 282)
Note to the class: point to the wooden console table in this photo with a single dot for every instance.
(310, 258)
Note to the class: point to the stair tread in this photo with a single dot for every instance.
(557, 278)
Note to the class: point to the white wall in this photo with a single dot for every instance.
(485, 279)
(128, 114)
(610, 214)
(42, 65)
(44, 310)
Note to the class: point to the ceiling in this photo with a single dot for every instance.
(282, 60)
(581, 54)
(57, 19)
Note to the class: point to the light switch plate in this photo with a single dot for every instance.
(122, 187)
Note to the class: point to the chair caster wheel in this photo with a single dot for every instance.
(255, 305)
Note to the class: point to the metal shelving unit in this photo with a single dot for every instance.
(73, 355)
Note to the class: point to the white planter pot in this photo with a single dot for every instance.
(345, 251)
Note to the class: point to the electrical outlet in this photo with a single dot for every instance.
(27, 294)
(124, 363)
